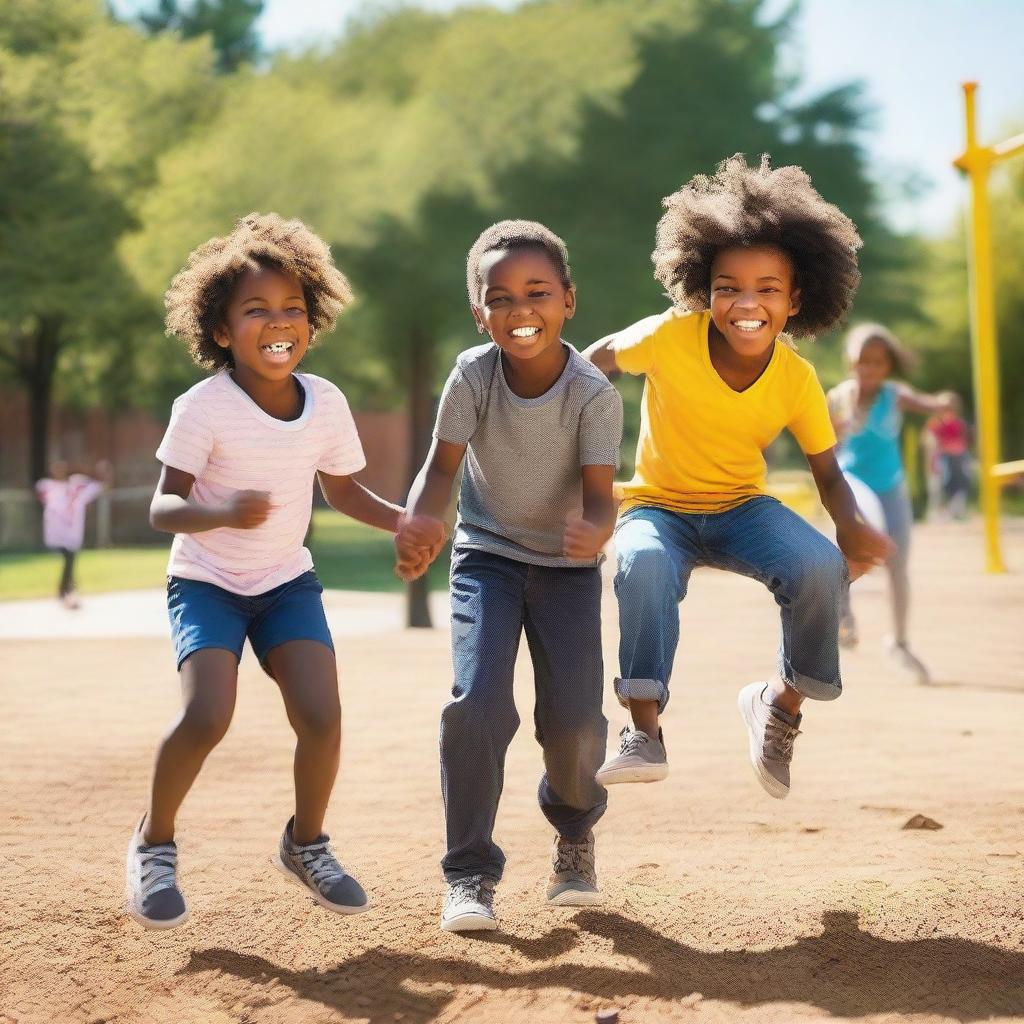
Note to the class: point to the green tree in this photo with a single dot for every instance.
(231, 24)
(72, 159)
(60, 281)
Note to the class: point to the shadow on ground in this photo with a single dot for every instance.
(845, 971)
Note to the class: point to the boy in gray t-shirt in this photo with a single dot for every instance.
(539, 429)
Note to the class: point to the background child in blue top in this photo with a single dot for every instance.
(867, 411)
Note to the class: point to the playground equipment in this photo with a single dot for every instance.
(977, 161)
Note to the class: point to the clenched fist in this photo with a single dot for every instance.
(247, 509)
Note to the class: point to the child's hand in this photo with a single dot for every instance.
(417, 543)
(864, 547)
(582, 539)
(246, 510)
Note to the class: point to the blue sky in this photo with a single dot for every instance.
(912, 54)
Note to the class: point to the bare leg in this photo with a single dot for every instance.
(307, 676)
(783, 696)
(645, 716)
(209, 681)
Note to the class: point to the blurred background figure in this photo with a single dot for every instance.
(951, 443)
(867, 411)
(65, 495)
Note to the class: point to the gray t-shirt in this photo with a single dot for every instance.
(523, 468)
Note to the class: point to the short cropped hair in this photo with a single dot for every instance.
(199, 295)
(512, 235)
(742, 206)
(903, 360)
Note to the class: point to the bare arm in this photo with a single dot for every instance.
(910, 400)
(585, 536)
(432, 489)
(863, 546)
(348, 496)
(602, 355)
(422, 532)
(171, 510)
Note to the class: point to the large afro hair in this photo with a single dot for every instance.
(741, 206)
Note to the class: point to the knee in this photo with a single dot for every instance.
(481, 714)
(645, 567)
(817, 575)
(319, 724)
(206, 724)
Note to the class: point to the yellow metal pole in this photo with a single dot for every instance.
(976, 161)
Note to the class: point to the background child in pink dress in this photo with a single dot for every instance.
(65, 496)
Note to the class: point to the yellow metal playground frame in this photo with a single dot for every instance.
(977, 161)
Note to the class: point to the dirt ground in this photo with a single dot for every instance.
(721, 904)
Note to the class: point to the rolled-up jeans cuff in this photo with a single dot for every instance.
(814, 689)
(641, 689)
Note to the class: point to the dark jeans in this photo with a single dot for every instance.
(494, 600)
(67, 576)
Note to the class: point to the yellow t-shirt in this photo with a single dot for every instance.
(701, 444)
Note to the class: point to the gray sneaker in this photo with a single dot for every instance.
(314, 867)
(469, 905)
(573, 880)
(152, 896)
(640, 759)
(771, 739)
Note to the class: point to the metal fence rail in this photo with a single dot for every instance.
(119, 515)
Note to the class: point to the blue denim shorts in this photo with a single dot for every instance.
(204, 615)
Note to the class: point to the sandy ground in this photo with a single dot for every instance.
(721, 904)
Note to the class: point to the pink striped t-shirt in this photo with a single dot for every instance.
(228, 443)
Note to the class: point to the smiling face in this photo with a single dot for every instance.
(873, 365)
(266, 325)
(523, 302)
(753, 294)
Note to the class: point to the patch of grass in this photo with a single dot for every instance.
(36, 573)
(347, 556)
(351, 556)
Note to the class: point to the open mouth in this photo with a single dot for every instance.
(525, 332)
(749, 326)
(278, 351)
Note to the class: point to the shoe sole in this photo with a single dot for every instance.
(149, 923)
(614, 776)
(769, 783)
(337, 908)
(469, 923)
(576, 898)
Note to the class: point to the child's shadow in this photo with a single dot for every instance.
(844, 971)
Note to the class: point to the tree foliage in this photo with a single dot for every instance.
(231, 25)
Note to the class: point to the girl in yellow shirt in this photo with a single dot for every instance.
(744, 254)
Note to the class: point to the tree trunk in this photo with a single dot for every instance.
(421, 364)
(36, 368)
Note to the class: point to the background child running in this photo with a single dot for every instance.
(239, 459)
(867, 411)
(744, 255)
(540, 429)
(65, 496)
(952, 442)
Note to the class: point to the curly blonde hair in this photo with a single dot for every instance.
(742, 206)
(199, 295)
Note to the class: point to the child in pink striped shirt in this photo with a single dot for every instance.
(239, 459)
